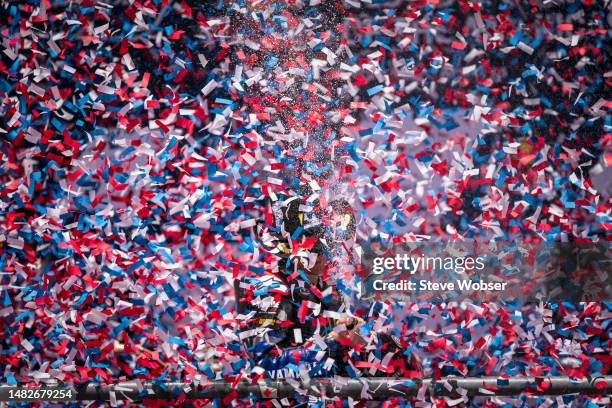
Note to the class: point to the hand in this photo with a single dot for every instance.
(352, 332)
(350, 322)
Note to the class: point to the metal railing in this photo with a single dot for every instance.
(375, 388)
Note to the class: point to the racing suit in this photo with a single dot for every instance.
(287, 323)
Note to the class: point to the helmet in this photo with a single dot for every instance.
(303, 228)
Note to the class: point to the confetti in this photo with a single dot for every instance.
(145, 148)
